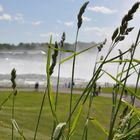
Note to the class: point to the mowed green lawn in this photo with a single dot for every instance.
(27, 105)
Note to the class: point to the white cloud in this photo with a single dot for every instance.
(105, 32)
(6, 17)
(89, 29)
(1, 8)
(36, 23)
(86, 18)
(49, 34)
(102, 9)
(69, 23)
(19, 18)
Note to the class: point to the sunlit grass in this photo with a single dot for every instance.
(93, 117)
(27, 108)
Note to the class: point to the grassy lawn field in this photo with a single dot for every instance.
(27, 105)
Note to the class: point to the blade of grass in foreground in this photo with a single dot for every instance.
(78, 53)
(137, 111)
(18, 129)
(59, 68)
(58, 131)
(1, 105)
(121, 84)
(99, 125)
(50, 96)
(40, 112)
(123, 88)
(63, 37)
(79, 23)
(85, 132)
(124, 71)
(76, 119)
(13, 77)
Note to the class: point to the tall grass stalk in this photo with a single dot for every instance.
(72, 79)
(136, 87)
(116, 88)
(58, 77)
(49, 71)
(13, 77)
(6, 99)
(89, 86)
(126, 127)
(40, 112)
(91, 95)
(58, 80)
(13, 107)
(122, 91)
(59, 68)
(79, 23)
(133, 98)
(116, 38)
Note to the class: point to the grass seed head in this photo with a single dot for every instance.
(128, 30)
(63, 36)
(130, 14)
(115, 33)
(119, 38)
(134, 8)
(119, 33)
(100, 47)
(62, 39)
(13, 77)
(54, 58)
(124, 20)
(82, 10)
(123, 28)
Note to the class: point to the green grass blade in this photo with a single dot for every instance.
(121, 84)
(68, 58)
(85, 133)
(99, 125)
(125, 136)
(132, 107)
(15, 125)
(116, 57)
(136, 60)
(74, 124)
(123, 61)
(75, 54)
(50, 95)
(62, 50)
(58, 131)
(1, 105)
(121, 73)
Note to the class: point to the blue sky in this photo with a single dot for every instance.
(35, 20)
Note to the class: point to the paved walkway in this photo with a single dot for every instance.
(67, 91)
